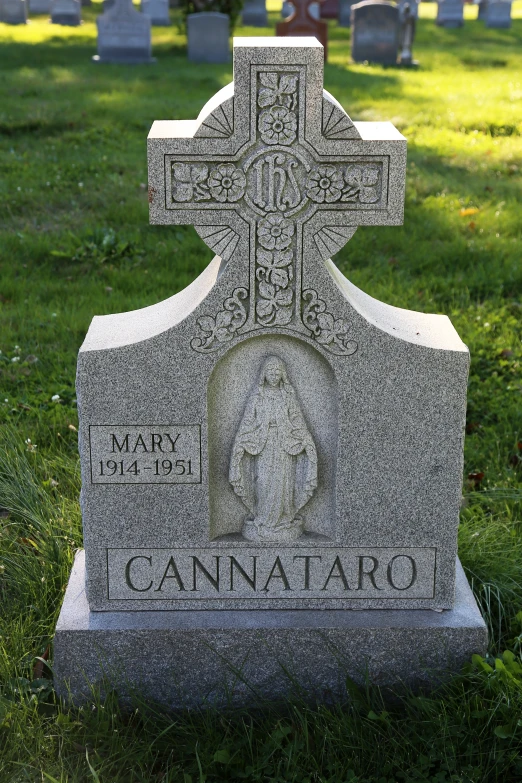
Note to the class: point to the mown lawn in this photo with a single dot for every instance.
(75, 241)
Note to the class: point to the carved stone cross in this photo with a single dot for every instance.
(276, 178)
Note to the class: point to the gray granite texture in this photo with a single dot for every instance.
(450, 13)
(272, 437)
(208, 36)
(254, 13)
(66, 12)
(498, 14)
(197, 659)
(123, 35)
(13, 11)
(375, 33)
(157, 11)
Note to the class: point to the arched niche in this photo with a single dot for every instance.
(232, 382)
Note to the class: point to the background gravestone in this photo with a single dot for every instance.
(66, 12)
(498, 14)
(13, 11)
(208, 37)
(450, 13)
(271, 444)
(345, 12)
(40, 6)
(123, 35)
(414, 8)
(375, 35)
(329, 9)
(157, 11)
(303, 22)
(254, 13)
(482, 10)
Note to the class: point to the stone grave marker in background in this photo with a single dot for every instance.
(66, 12)
(13, 11)
(254, 13)
(498, 14)
(414, 8)
(407, 35)
(123, 35)
(450, 13)
(208, 36)
(482, 10)
(345, 12)
(40, 6)
(303, 23)
(270, 448)
(157, 11)
(375, 34)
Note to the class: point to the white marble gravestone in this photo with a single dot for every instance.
(450, 13)
(270, 449)
(13, 11)
(123, 35)
(157, 11)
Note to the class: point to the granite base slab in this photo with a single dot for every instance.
(201, 658)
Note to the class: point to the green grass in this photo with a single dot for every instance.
(75, 241)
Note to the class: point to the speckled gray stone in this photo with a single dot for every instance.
(189, 659)
(276, 178)
(450, 13)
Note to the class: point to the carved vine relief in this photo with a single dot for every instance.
(274, 187)
(273, 465)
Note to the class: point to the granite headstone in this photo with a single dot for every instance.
(450, 13)
(13, 11)
(345, 12)
(482, 10)
(66, 12)
(304, 22)
(498, 14)
(254, 13)
(270, 448)
(123, 35)
(208, 37)
(157, 11)
(40, 6)
(375, 33)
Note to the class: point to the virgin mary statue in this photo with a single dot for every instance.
(273, 467)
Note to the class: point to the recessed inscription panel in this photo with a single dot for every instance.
(281, 573)
(145, 454)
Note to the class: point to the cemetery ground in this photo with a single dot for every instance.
(75, 241)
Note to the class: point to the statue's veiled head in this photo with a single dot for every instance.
(273, 372)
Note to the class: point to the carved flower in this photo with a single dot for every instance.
(274, 232)
(334, 332)
(187, 182)
(277, 89)
(273, 266)
(227, 183)
(274, 307)
(277, 125)
(362, 184)
(325, 184)
(217, 328)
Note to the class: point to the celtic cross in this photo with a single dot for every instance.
(276, 178)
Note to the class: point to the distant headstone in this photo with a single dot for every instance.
(13, 11)
(482, 10)
(254, 13)
(413, 5)
(450, 13)
(329, 9)
(123, 35)
(345, 12)
(157, 11)
(303, 23)
(408, 24)
(270, 445)
(498, 14)
(40, 6)
(375, 34)
(66, 12)
(208, 36)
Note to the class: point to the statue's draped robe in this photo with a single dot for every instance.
(273, 467)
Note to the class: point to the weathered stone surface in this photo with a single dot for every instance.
(272, 358)
(375, 36)
(498, 14)
(304, 21)
(157, 11)
(66, 12)
(254, 13)
(123, 35)
(450, 13)
(208, 38)
(193, 659)
(13, 11)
